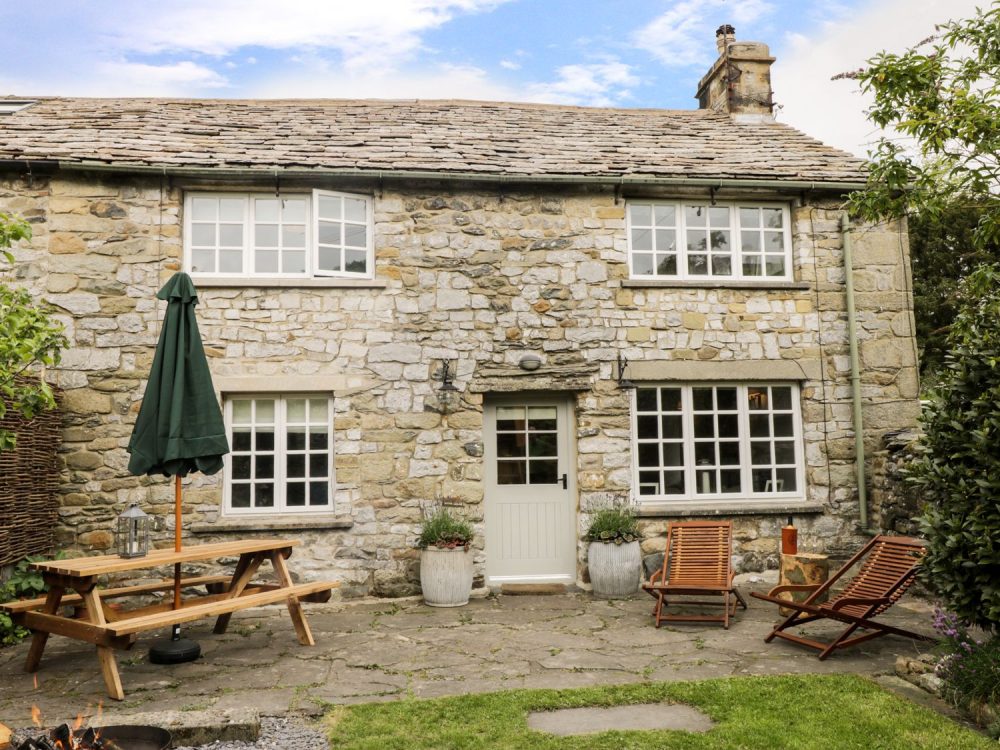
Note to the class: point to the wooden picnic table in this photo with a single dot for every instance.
(110, 628)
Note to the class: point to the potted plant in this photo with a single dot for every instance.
(445, 559)
(614, 557)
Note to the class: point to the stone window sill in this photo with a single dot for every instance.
(691, 510)
(715, 284)
(241, 524)
(252, 282)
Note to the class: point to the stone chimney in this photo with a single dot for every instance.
(739, 82)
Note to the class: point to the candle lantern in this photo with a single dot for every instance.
(133, 532)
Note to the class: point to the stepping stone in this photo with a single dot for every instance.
(640, 717)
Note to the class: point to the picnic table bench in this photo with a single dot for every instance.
(109, 628)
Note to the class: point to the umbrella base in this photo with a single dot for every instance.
(175, 650)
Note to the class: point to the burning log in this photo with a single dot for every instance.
(64, 738)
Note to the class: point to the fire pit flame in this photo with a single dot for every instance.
(93, 738)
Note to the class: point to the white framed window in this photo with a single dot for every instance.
(281, 454)
(691, 240)
(293, 235)
(717, 441)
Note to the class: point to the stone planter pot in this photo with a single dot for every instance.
(615, 569)
(446, 576)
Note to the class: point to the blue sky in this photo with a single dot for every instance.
(625, 53)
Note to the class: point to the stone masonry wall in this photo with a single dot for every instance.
(467, 274)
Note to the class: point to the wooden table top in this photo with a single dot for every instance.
(102, 564)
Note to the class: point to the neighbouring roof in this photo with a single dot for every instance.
(462, 137)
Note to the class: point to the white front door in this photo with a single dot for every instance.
(530, 492)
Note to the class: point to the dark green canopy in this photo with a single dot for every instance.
(180, 427)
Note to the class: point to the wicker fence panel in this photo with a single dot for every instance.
(29, 479)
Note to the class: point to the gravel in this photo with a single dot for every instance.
(275, 734)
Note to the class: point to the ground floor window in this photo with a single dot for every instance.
(717, 441)
(281, 453)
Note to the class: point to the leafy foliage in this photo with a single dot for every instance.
(29, 337)
(442, 529)
(614, 525)
(958, 469)
(970, 666)
(22, 584)
(943, 253)
(943, 98)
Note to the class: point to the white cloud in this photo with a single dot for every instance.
(602, 84)
(683, 35)
(833, 111)
(365, 34)
(510, 65)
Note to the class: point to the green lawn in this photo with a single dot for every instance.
(795, 712)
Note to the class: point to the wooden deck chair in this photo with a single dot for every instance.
(697, 562)
(887, 571)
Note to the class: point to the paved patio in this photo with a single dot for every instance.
(386, 650)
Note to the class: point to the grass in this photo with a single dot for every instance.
(809, 712)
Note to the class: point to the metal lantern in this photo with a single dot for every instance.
(133, 532)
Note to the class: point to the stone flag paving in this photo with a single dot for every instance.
(390, 649)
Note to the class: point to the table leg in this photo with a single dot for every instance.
(246, 568)
(39, 639)
(302, 630)
(105, 654)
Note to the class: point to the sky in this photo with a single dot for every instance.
(606, 53)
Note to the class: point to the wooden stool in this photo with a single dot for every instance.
(802, 568)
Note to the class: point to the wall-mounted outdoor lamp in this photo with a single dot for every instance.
(623, 382)
(448, 394)
(529, 362)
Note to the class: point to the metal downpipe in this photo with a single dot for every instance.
(852, 339)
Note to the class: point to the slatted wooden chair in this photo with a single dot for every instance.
(697, 562)
(888, 569)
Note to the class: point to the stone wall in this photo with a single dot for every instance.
(464, 274)
(894, 504)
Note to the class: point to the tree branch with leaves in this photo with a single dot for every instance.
(29, 340)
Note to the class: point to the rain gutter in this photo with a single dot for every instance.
(507, 179)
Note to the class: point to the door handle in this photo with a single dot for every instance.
(564, 480)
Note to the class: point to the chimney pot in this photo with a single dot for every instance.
(739, 82)
(723, 36)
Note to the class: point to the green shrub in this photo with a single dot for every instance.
(22, 584)
(442, 529)
(958, 469)
(616, 525)
(970, 666)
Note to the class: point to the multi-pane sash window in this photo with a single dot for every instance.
(294, 235)
(527, 445)
(717, 441)
(282, 454)
(698, 240)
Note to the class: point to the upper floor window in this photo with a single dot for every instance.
(718, 442)
(291, 235)
(682, 240)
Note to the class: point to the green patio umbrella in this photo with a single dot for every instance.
(180, 427)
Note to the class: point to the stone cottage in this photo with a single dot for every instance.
(522, 310)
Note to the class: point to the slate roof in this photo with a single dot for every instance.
(485, 138)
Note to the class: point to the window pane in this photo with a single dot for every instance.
(642, 265)
(242, 411)
(317, 411)
(786, 480)
(296, 410)
(266, 261)
(673, 482)
(355, 235)
(295, 494)
(266, 209)
(649, 454)
(783, 425)
(293, 210)
(542, 417)
(774, 242)
(329, 259)
(666, 265)
(757, 397)
(319, 493)
(642, 239)
(729, 425)
(543, 472)
(512, 472)
(510, 418)
(665, 215)
(293, 262)
(704, 426)
(241, 467)
(231, 261)
(760, 453)
(782, 397)
(673, 454)
(729, 453)
(645, 399)
(719, 216)
(354, 210)
(672, 428)
(241, 495)
(356, 261)
(265, 440)
(720, 242)
(697, 242)
(264, 468)
(670, 399)
(640, 214)
(695, 216)
(702, 399)
(749, 217)
(296, 437)
(264, 495)
(510, 444)
(760, 425)
(241, 441)
(266, 235)
(330, 233)
(203, 235)
(231, 235)
(203, 261)
(704, 453)
(784, 452)
(542, 444)
(293, 235)
(761, 480)
(318, 440)
(204, 209)
(705, 482)
(231, 209)
(730, 480)
(265, 411)
(666, 240)
(318, 465)
(296, 466)
(775, 265)
(750, 242)
(773, 218)
(329, 207)
(698, 265)
(726, 399)
(721, 265)
(753, 266)
(646, 426)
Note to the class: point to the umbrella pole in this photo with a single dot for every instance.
(177, 540)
